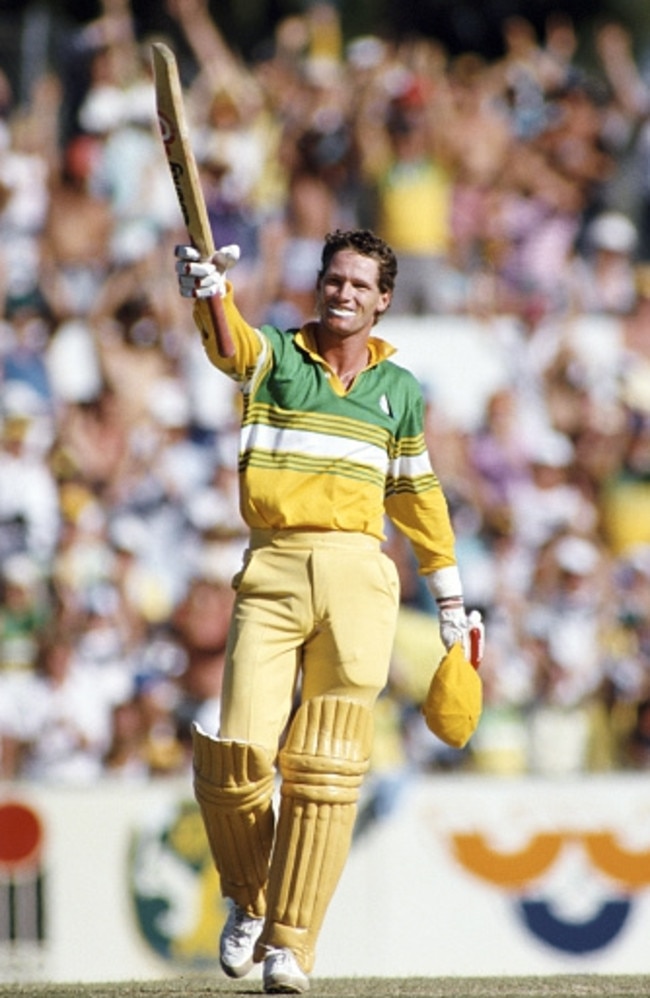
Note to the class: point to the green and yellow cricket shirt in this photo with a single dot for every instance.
(315, 456)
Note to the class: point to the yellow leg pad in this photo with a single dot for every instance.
(233, 784)
(323, 763)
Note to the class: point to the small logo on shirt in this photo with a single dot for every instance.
(384, 405)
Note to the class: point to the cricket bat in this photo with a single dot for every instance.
(185, 175)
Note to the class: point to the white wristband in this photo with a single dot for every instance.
(445, 583)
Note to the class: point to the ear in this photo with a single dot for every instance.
(383, 302)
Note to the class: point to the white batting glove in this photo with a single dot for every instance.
(201, 278)
(457, 627)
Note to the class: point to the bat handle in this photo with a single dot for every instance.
(225, 345)
(475, 650)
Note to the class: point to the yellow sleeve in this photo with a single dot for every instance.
(248, 341)
(424, 518)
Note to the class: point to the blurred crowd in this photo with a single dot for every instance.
(513, 189)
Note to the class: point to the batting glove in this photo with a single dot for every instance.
(200, 278)
(456, 627)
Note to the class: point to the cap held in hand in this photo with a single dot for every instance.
(453, 705)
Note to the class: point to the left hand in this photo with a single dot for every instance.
(456, 627)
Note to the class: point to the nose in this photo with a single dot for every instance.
(344, 291)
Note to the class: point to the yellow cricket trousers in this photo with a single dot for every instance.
(314, 608)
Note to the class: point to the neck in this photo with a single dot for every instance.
(347, 377)
(347, 364)
(346, 357)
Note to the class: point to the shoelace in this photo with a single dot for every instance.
(282, 960)
(244, 926)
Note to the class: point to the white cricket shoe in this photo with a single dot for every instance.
(238, 938)
(282, 975)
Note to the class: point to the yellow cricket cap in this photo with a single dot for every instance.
(453, 705)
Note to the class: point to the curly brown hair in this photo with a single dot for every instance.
(366, 243)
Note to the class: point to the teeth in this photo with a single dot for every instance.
(341, 312)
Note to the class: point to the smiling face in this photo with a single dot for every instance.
(348, 296)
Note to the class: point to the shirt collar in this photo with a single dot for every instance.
(378, 349)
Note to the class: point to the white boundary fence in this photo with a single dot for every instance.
(464, 875)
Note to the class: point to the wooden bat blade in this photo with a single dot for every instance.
(185, 175)
(178, 149)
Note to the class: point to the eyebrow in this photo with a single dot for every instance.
(331, 273)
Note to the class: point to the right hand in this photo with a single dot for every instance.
(203, 278)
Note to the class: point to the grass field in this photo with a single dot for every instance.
(565, 986)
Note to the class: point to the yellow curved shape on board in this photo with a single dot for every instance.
(509, 869)
(629, 868)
